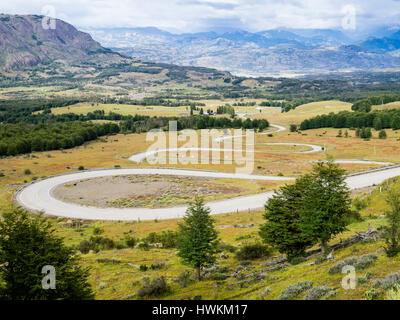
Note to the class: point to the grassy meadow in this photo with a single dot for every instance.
(115, 274)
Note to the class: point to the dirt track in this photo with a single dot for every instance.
(37, 196)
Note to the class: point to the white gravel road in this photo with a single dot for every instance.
(38, 196)
(141, 156)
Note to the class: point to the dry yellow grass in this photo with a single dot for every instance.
(391, 105)
(116, 281)
(303, 112)
(84, 108)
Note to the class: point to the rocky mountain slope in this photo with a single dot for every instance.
(271, 52)
(24, 42)
(31, 54)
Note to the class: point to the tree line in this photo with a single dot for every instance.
(25, 138)
(379, 119)
(366, 104)
(45, 132)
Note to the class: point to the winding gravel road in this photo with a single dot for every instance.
(38, 196)
(141, 156)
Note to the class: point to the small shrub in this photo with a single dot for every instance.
(185, 279)
(388, 282)
(144, 246)
(84, 246)
(168, 239)
(365, 261)
(321, 292)
(98, 231)
(392, 251)
(81, 168)
(245, 263)
(360, 203)
(158, 265)
(223, 269)
(253, 251)
(382, 134)
(358, 263)
(353, 216)
(130, 241)
(219, 276)
(102, 243)
(143, 268)
(297, 260)
(157, 287)
(244, 237)
(109, 261)
(373, 294)
(27, 172)
(264, 293)
(96, 243)
(222, 246)
(394, 293)
(294, 290)
(320, 259)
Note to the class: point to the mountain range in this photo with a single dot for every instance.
(25, 43)
(266, 53)
(33, 55)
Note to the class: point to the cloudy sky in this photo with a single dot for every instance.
(205, 15)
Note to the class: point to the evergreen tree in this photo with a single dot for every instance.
(197, 238)
(392, 230)
(395, 122)
(27, 244)
(378, 124)
(283, 214)
(365, 133)
(326, 203)
(382, 134)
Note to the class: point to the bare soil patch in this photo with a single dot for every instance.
(148, 191)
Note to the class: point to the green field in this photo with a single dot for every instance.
(117, 275)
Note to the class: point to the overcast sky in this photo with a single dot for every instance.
(205, 15)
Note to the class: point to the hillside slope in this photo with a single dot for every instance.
(24, 42)
(31, 55)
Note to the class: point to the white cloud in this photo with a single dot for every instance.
(200, 15)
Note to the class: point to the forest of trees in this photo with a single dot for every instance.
(380, 119)
(227, 109)
(25, 138)
(366, 104)
(23, 130)
(285, 105)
